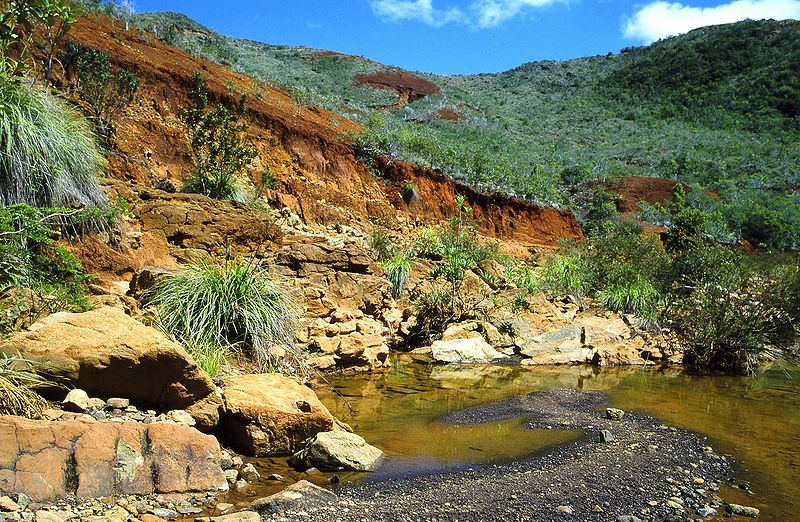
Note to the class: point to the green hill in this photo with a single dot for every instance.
(718, 108)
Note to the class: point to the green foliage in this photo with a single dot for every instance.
(712, 108)
(725, 319)
(18, 382)
(378, 241)
(26, 24)
(428, 244)
(566, 275)
(230, 306)
(48, 156)
(37, 276)
(398, 271)
(105, 89)
(219, 152)
(631, 293)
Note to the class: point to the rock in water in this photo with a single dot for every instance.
(300, 496)
(472, 350)
(269, 414)
(743, 511)
(337, 449)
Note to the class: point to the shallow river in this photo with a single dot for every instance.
(756, 421)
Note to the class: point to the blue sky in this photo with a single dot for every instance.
(466, 36)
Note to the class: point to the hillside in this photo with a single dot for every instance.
(716, 108)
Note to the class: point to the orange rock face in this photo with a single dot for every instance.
(46, 460)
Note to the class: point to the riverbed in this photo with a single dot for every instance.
(753, 420)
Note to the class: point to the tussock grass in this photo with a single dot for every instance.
(48, 157)
(398, 272)
(234, 305)
(18, 381)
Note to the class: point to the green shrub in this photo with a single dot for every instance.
(727, 323)
(231, 306)
(566, 275)
(398, 271)
(18, 382)
(217, 136)
(37, 277)
(47, 155)
(105, 89)
(378, 241)
(427, 243)
(634, 295)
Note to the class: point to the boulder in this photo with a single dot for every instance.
(472, 350)
(561, 346)
(333, 450)
(107, 353)
(268, 414)
(301, 496)
(47, 460)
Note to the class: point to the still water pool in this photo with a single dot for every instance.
(756, 421)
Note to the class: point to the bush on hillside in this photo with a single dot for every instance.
(106, 89)
(217, 136)
(231, 306)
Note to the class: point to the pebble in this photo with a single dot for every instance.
(6, 504)
(567, 510)
(614, 414)
(606, 436)
(743, 511)
(116, 403)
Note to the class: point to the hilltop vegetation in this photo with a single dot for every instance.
(716, 108)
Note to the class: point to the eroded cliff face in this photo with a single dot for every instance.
(315, 170)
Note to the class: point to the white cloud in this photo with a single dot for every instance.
(482, 13)
(661, 19)
(491, 13)
(419, 10)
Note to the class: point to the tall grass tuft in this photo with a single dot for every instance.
(18, 381)
(398, 272)
(232, 305)
(48, 157)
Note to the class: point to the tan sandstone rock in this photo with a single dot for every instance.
(268, 414)
(107, 353)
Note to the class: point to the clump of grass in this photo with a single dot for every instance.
(378, 241)
(566, 275)
(18, 381)
(398, 272)
(48, 157)
(234, 304)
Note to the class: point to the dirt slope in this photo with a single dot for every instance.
(316, 173)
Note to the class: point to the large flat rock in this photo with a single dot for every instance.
(47, 460)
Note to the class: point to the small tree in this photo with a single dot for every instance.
(19, 21)
(106, 90)
(217, 141)
(56, 18)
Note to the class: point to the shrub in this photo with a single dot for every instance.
(48, 156)
(18, 381)
(378, 241)
(726, 324)
(105, 89)
(566, 275)
(428, 244)
(36, 276)
(398, 271)
(233, 305)
(635, 295)
(219, 152)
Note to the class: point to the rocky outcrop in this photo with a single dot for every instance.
(46, 460)
(109, 354)
(270, 414)
(334, 450)
(561, 346)
(348, 309)
(472, 350)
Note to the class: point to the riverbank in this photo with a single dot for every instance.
(648, 470)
